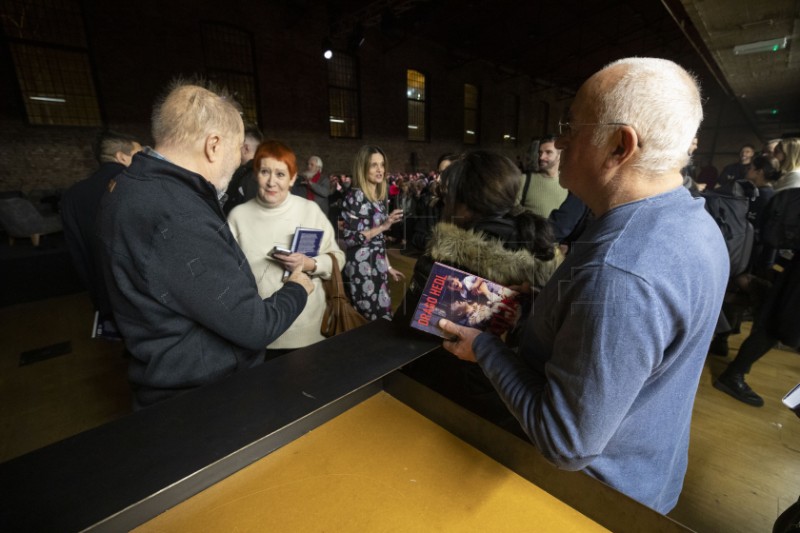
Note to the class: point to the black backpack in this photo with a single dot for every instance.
(780, 228)
(728, 207)
(789, 520)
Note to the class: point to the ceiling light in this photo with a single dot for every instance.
(761, 46)
(327, 49)
(48, 99)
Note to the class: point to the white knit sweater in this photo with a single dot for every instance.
(258, 229)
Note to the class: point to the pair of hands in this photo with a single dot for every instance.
(297, 264)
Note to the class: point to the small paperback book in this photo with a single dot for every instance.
(467, 300)
(306, 241)
(104, 328)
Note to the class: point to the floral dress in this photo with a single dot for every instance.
(366, 268)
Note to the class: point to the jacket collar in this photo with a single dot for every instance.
(150, 165)
(483, 252)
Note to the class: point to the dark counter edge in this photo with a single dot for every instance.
(591, 497)
(120, 475)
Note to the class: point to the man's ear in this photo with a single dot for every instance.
(623, 144)
(123, 158)
(213, 146)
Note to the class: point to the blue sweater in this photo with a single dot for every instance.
(611, 357)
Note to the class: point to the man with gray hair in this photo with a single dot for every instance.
(313, 185)
(610, 359)
(184, 298)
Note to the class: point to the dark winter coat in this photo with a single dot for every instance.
(183, 294)
(492, 249)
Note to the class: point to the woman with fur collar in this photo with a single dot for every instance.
(482, 232)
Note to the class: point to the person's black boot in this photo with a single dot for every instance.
(733, 384)
(719, 345)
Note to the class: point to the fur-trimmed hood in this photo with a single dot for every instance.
(484, 255)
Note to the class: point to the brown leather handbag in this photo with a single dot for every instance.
(339, 315)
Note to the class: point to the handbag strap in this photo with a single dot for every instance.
(525, 189)
(335, 286)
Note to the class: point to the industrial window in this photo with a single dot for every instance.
(47, 41)
(343, 97)
(542, 118)
(471, 114)
(415, 92)
(230, 63)
(510, 119)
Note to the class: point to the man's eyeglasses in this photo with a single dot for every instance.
(565, 128)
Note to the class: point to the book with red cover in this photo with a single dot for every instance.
(467, 300)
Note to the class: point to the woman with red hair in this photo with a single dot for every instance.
(270, 219)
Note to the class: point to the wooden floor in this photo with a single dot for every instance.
(744, 462)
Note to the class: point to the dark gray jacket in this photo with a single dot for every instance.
(182, 292)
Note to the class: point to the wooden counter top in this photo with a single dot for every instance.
(380, 466)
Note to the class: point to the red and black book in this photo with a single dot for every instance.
(467, 300)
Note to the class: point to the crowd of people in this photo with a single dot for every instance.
(188, 250)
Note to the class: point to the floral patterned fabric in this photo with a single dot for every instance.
(366, 268)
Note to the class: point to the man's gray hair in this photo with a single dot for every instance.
(661, 101)
(192, 109)
(317, 161)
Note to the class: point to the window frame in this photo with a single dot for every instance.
(52, 62)
(474, 113)
(417, 106)
(338, 106)
(240, 80)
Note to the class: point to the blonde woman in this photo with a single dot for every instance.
(366, 217)
(788, 153)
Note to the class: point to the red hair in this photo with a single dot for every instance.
(276, 150)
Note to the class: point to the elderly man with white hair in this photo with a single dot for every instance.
(609, 362)
(313, 185)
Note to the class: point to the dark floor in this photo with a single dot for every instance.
(29, 273)
(742, 460)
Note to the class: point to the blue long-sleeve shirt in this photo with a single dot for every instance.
(611, 357)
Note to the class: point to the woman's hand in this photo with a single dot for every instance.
(394, 217)
(292, 261)
(396, 274)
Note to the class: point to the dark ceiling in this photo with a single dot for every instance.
(562, 42)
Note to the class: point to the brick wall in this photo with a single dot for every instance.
(137, 49)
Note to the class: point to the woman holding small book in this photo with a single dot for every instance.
(270, 220)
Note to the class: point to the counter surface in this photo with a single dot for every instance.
(380, 466)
